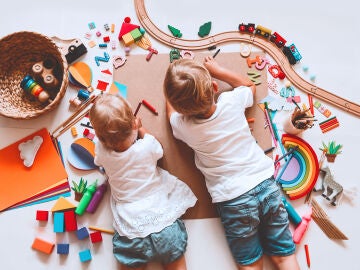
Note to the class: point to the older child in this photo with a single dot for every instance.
(239, 176)
(146, 201)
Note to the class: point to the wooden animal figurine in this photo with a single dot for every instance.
(331, 189)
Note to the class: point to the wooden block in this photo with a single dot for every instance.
(85, 255)
(62, 204)
(70, 221)
(42, 215)
(63, 248)
(96, 237)
(43, 246)
(59, 222)
(128, 39)
(82, 233)
(136, 34)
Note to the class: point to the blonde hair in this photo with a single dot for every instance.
(112, 119)
(188, 87)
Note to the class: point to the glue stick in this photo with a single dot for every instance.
(96, 199)
(85, 200)
(293, 215)
(302, 227)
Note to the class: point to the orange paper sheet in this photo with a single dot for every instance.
(20, 183)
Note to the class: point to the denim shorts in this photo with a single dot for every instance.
(256, 222)
(165, 246)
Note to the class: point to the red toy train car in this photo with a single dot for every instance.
(277, 39)
(250, 27)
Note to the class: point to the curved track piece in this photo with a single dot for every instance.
(266, 45)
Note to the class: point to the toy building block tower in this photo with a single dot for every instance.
(129, 33)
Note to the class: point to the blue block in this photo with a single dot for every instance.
(85, 255)
(59, 222)
(82, 233)
(63, 248)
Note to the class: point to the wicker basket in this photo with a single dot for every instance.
(18, 53)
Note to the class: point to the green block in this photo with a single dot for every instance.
(136, 34)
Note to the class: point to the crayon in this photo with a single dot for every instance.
(307, 255)
(150, 107)
(216, 53)
(137, 108)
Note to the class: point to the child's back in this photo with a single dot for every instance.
(238, 175)
(146, 201)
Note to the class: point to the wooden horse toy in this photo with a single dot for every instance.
(331, 189)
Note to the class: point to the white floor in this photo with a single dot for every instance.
(326, 34)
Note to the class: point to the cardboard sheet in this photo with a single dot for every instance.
(144, 80)
(20, 184)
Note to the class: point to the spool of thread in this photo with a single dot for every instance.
(43, 72)
(37, 69)
(83, 94)
(75, 101)
(29, 85)
(50, 80)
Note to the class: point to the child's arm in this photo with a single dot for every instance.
(226, 75)
(141, 130)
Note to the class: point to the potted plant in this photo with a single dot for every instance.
(79, 189)
(331, 150)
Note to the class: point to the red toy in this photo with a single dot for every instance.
(277, 39)
(250, 27)
(42, 215)
(70, 221)
(276, 72)
(95, 237)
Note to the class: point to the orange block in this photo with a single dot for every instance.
(43, 246)
(128, 39)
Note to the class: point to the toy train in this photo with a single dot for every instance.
(291, 52)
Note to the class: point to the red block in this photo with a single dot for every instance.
(70, 221)
(96, 237)
(106, 39)
(42, 215)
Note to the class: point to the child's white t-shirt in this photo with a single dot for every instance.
(225, 150)
(144, 198)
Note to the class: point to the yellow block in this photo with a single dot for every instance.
(128, 39)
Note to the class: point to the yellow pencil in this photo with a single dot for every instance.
(101, 230)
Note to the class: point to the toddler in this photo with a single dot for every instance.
(238, 175)
(146, 201)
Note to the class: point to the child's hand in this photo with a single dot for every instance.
(212, 66)
(138, 123)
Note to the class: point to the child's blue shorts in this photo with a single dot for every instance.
(165, 246)
(256, 222)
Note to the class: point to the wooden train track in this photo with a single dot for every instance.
(236, 36)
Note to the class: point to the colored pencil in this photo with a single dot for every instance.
(216, 53)
(137, 108)
(307, 255)
(149, 106)
(109, 231)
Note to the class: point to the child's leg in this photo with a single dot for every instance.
(179, 264)
(258, 265)
(285, 262)
(125, 267)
